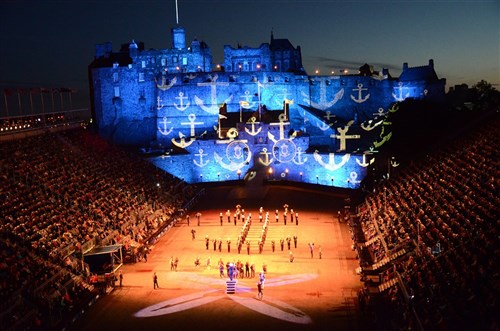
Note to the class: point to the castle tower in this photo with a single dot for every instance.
(178, 38)
(132, 48)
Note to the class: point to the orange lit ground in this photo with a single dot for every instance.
(308, 294)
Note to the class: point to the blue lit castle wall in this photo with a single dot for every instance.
(257, 112)
(125, 85)
(245, 59)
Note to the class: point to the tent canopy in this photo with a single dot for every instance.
(103, 250)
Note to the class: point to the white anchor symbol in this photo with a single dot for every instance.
(323, 104)
(213, 108)
(246, 104)
(284, 95)
(182, 143)
(181, 105)
(281, 124)
(360, 98)
(164, 86)
(363, 163)
(394, 163)
(380, 112)
(253, 132)
(164, 131)
(266, 160)
(331, 165)
(353, 178)
(400, 89)
(299, 157)
(200, 164)
(159, 104)
(329, 115)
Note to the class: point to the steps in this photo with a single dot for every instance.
(254, 236)
(231, 286)
(387, 285)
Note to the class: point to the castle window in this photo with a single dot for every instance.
(141, 77)
(277, 66)
(163, 61)
(115, 65)
(117, 91)
(115, 77)
(184, 61)
(245, 66)
(143, 64)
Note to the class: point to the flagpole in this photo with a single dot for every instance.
(31, 102)
(6, 103)
(220, 137)
(19, 102)
(219, 131)
(258, 93)
(52, 97)
(284, 107)
(41, 96)
(176, 13)
(240, 114)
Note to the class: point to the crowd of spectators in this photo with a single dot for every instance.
(63, 191)
(442, 213)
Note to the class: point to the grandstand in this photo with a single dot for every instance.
(425, 239)
(64, 193)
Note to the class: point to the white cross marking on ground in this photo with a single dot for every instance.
(197, 299)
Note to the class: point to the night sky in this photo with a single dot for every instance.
(49, 43)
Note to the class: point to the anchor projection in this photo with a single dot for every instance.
(259, 108)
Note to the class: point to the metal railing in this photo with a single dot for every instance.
(14, 127)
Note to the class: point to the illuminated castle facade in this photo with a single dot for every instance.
(257, 109)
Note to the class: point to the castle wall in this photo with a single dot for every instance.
(170, 105)
(326, 128)
(247, 59)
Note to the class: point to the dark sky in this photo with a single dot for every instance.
(50, 43)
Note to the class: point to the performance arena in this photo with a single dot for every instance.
(86, 226)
